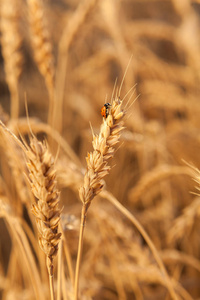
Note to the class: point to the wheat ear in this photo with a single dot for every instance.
(42, 178)
(42, 48)
(97, 168)
(11, 43)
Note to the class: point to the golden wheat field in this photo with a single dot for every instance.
(99, 202)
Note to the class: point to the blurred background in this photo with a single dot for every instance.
(63, 57)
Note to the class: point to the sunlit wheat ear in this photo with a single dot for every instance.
(41, 43)
(97, 161)
(42, 179)
(11, 43)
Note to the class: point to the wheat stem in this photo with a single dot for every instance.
(80, 249)
(14, 108)
(59, 272)
(68, 258)
(51, 286)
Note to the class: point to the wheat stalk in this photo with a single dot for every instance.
(42, 178)
(97, 168)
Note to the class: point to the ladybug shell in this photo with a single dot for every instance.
(104, 112)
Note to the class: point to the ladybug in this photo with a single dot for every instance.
(105, 110)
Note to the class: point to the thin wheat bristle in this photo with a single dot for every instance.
(46, 209)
